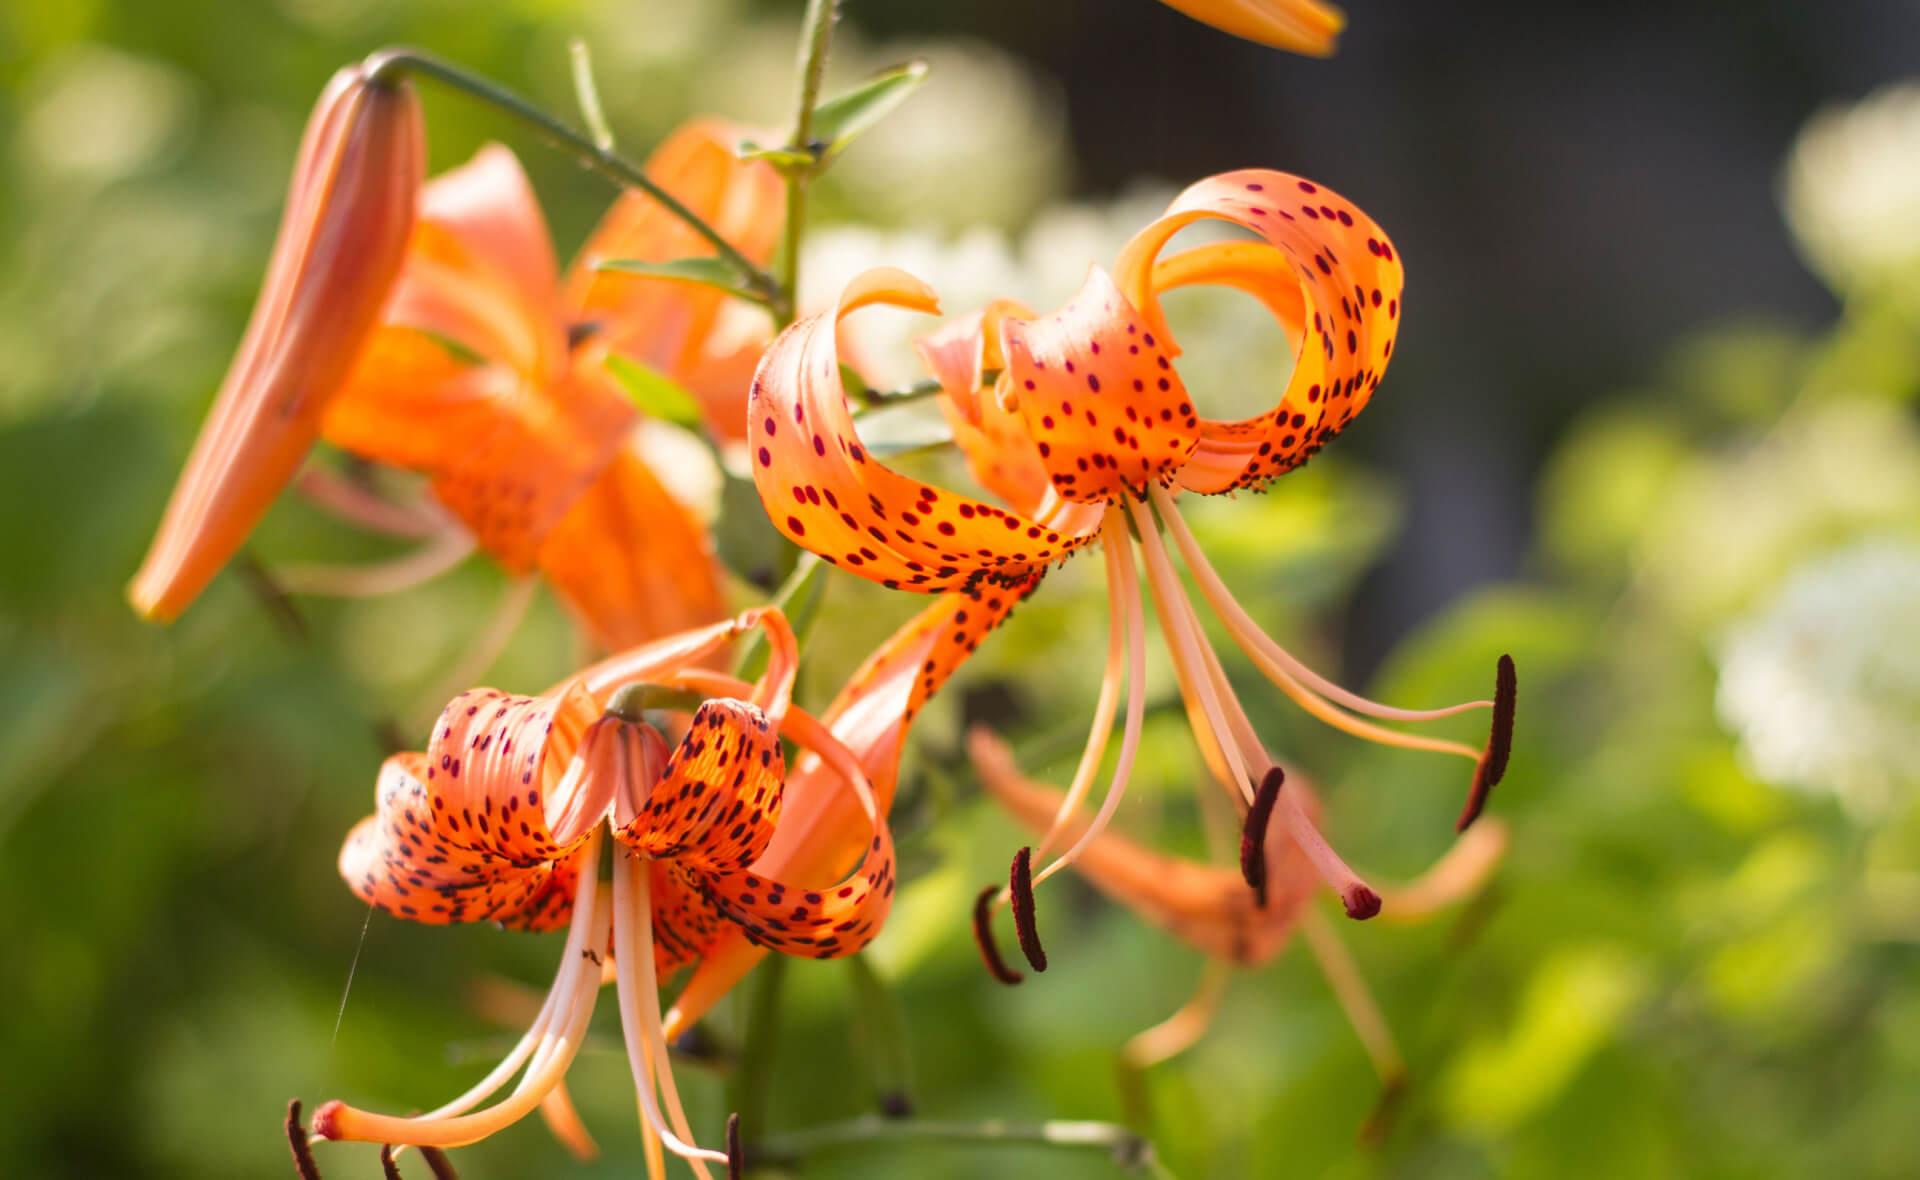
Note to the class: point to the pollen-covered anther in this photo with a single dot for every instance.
(1020, 891)
(303, 1162)
(983, 937)
(1492, 766)
(736, 1162)
(1253, 834)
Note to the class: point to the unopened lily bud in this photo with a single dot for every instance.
(342, 238)
(1300, 26)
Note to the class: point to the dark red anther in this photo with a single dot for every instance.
(1253, 834)
(983, 935)
(388, 1168)
(1493, 761)
(297, 1140)
(736, 1166)
(1020, 890)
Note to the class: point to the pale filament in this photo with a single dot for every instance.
(1308, 689)
(494, 637)
(449, 548)
(552, 1041)
(1350, 988)
(1102, 728)
(1115, 537)
(652, 661)
(1178, 1032)
(1458, 874)
(1213, 678)
(357, 504)
(639, 992)
(1186, 644)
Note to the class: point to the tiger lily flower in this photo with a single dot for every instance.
(1211, 909)
(341, 244)
(1088, 433)
(724, 854)
(1301, 26)
(487, 374)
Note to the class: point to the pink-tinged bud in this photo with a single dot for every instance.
(342, 239)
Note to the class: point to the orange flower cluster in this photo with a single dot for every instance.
(426, 326)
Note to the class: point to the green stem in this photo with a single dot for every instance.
(386, 64)
(816, 37)
(880, 1028)
(754, 1079)
(1128, 1149)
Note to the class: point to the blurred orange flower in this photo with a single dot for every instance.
(488, 375)
(1079, 420)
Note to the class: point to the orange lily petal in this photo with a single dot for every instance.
(497, 772)
(531, 455)
(1000, 453)
(410, 402)
(1206, 907)
(715, 805)
(1099, 394)
(663, 322)
(410, 861)
(480, 270)
(824, 491)
(1348, 280)
(630, 561)
(823, 830)
(341, 241)
(1301, 26)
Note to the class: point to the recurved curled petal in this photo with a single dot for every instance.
(342, 237)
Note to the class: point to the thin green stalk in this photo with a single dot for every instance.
(389, 63)
(1129, 1150)
(880, 1029)
(754, 1079)
(816, 37)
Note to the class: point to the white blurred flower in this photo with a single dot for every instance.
(1852, 190)
(1823, 684)
(97, 114)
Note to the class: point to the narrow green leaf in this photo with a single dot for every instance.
(837, 120)
(708, 272)
(657, 395)
(785, 159)
(799, 598)
(746, 540)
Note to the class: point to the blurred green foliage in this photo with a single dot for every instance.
(1682, 969)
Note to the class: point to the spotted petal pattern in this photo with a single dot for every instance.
(823, 490)
(714, 807)
(1334, 280)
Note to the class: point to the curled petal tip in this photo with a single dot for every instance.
(1253, 835)
(303, 1162)
(1299, 26)
(890, 285)
(983, 937)
(1493, 760)
(1020, 890)
(1361, 902)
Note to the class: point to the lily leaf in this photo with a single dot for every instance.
(783, 158)
(708, 272)
(840, 118)
(657, 395)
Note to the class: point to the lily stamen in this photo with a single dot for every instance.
(1253, 837)
(1020, 890)
(569, 1009)
(983, 907)
(638, 987)
(303, 1161)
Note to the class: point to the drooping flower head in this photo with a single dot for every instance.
(1080, 421)
(480, 366)
(723, 852)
